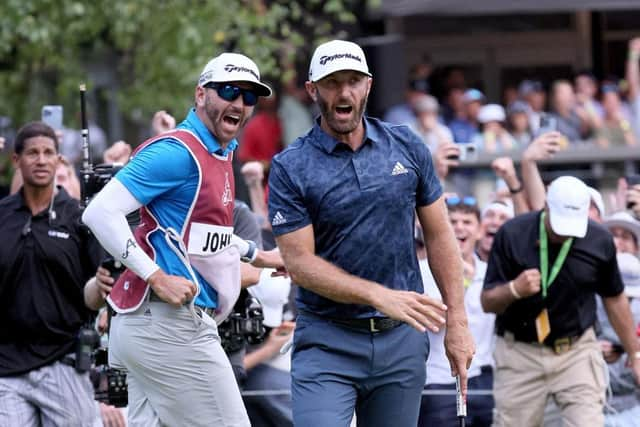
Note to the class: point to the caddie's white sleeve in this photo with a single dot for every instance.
(106, 217)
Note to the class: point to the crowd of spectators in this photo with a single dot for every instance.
(540, 119)
(585, 109)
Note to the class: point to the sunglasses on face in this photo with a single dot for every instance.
(467, 201)
(230, 93)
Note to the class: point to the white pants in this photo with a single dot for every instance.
(177, 372)
(54, 395)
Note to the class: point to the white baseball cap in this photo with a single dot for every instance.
(568, 200)
(273, 294)
(233, 67)
(629, 267)
(337, 55)
(491, 113)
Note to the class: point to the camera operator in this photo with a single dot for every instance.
(45, 259)
(112, 395)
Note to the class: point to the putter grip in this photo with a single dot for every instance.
(461, 403)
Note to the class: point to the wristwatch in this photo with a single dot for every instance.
(516, 190)
(251, 253)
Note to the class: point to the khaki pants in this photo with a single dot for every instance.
(528, 374)
(177, 372)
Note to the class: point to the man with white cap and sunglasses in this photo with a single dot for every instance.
(544, 270)
(183, 260)
(342, 204)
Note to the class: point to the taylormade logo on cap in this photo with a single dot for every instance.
(233, 67)
(324, 59)
(337, 55)
(229, 68)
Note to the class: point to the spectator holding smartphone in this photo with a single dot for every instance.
(533, 94)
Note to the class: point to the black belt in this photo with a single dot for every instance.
(371, 324)
(558, 345)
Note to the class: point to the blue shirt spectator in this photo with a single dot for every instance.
(463, 131)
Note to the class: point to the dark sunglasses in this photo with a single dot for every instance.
(467, 201)
(230, 93)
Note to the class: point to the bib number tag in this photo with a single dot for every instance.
(207, 239)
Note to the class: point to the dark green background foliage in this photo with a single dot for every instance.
(151, 50)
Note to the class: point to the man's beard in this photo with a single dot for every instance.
(215, 114)
(341, 128)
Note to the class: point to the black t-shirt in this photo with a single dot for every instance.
(45, 261)
(590, 268)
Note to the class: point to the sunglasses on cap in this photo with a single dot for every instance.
(230, 93)
(466, 201)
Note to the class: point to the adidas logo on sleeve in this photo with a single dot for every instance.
(398, 169)
(278, 219)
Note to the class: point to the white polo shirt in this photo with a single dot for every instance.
(481, 325)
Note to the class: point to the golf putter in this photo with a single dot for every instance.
(286, 347)
(461, 403)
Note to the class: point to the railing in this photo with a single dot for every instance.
(432, 392)
(584, 159)
(580, 152)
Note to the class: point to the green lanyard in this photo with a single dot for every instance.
(546, 278)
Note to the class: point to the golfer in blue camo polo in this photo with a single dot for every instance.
(342, 204)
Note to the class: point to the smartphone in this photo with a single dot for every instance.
(468, 152)
(548, 123)
(631, 181)
(52, 116)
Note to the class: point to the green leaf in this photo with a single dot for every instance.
(147, 54)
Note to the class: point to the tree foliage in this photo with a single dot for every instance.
(152, 50)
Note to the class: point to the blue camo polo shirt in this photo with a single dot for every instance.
(361, 205)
